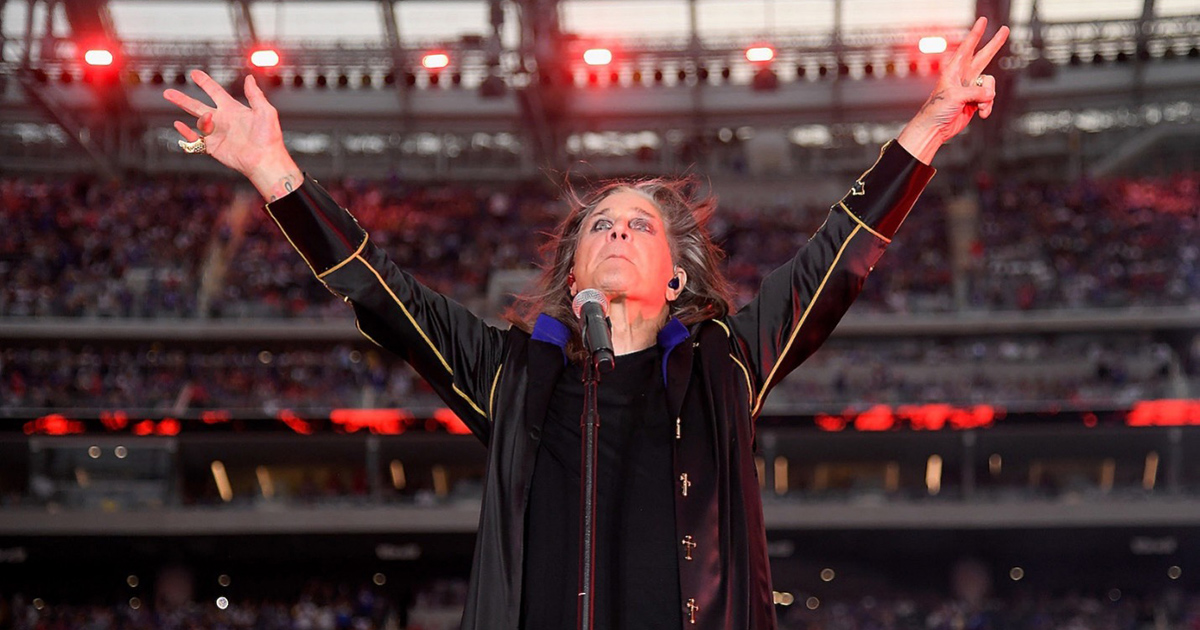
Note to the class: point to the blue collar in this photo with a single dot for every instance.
(551, 330)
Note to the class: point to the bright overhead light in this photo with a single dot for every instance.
(597, 57)
(759, 54)
(932, 45)
(264, 58)
(435, 61)
(98, 57)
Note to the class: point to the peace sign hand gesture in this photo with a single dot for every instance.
(961, 90)
(246, 139)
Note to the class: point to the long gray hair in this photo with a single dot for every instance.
(685, 214)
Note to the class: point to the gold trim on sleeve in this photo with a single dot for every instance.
(800, 323)
(492, 394)
(864, 225)
(428, 342)
(334, 268)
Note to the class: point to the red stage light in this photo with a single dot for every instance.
(98, 57)
(264, 58)
(435, 61)
(760, 54)
(932, 45)
(597, 56)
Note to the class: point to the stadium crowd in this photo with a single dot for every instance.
(438, 605)
(166, 247)
(1075, 369)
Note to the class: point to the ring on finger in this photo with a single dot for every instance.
(979, 80)
(196, 146)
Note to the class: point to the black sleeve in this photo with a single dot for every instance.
(456, 351)
(800, 303)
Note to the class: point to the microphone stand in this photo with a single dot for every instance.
(589, 423)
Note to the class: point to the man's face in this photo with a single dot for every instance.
(623, 250)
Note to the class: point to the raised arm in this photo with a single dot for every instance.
(454, 350)
(800, 303)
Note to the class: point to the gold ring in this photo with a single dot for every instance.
(194, 147)
(979, 80)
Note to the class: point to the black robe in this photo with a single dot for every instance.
(717, 374)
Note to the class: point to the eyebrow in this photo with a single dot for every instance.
(604, 211)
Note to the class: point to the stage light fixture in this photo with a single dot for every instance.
(493, 86)
(932, 45)
(658, 76)
(597, 56)
(760, 54)
(614, 77)
(343, 81)
(389, 79)
(868, 69)
(98, 57)
(702, 74)
(322, 81)
(801, 71)
(435, 61)
(180, 79)
(434, 79)
(298, 81)
(636, 77)
(682, 76)
(157, 78)
(66, 78)
(365, 81)
(275, 80)
(40, 76)
(456, 79)
(264, 58)
(765, 80)
(726, 72)
(593, 79)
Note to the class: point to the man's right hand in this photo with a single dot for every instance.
(246, 139)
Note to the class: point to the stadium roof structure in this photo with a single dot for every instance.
(515, 93)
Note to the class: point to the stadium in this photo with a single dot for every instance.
(194, 433)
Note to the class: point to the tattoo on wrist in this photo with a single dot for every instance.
(933, 100)
(283, 186)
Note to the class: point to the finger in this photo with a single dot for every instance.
(186, 132)
(979, 95)
(985, 56)
(186, 103)
(967, 47)
(220, 97)
(254, 94)
(985, 109)
(206, 125)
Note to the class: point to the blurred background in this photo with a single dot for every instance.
(999, 435)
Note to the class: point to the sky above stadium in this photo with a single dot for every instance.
(442, 20)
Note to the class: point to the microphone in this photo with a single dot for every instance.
(591, 306)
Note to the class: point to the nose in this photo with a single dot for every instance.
(619, 232)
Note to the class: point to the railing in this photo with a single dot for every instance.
(854, 54)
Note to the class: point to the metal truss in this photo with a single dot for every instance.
(546, 96)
